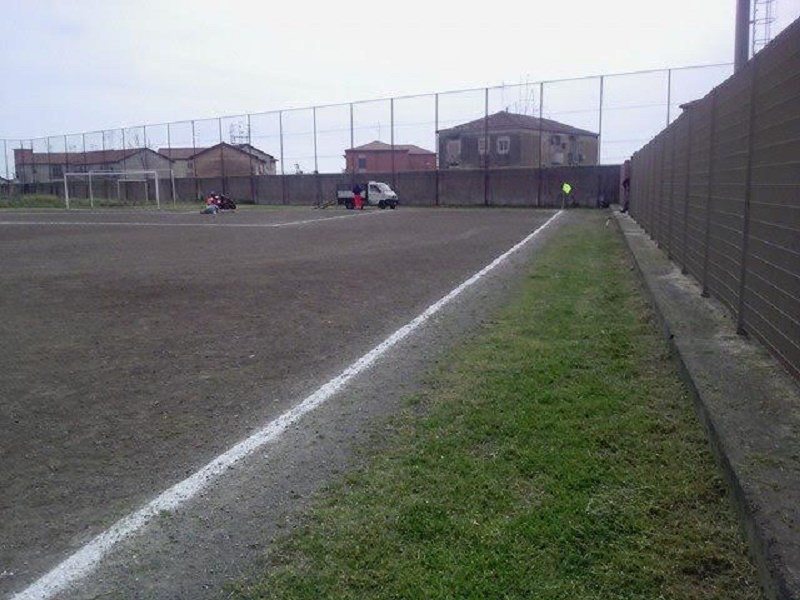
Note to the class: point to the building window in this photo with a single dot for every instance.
(503, 144)
(482, 145)
(362, 162)
(56, 171)
(453, 152)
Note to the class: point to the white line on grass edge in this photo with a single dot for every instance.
(87, 558)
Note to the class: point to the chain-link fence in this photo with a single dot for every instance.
(616, 114)
(719, 191)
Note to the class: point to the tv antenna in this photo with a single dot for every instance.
(763, 17)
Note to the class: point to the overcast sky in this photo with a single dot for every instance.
(79, 65)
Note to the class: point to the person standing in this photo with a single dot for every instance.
(626, 193)
(358, 201)
(566, 190)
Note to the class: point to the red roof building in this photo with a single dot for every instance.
(379, 157)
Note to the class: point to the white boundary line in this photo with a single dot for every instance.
(87, 558)
(216, 224)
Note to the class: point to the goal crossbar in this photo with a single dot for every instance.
(121, 176)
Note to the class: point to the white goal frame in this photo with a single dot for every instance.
(121, 175)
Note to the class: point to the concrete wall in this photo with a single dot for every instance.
(591, 186)
(462, 187)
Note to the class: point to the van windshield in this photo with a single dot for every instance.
(383, 187)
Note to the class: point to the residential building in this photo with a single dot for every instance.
(181, 158)
(223, 159)
(217, 161)
(507, 139)
(379, 157)
(42, 167)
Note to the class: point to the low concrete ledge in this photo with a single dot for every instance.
(749, 405)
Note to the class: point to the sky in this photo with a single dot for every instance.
(70, 66)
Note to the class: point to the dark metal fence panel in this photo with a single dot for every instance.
(772, 293)
(698, 160)
(680, 179)
(727, 211)
(719, 191)
(664, 189)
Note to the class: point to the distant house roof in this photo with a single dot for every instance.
(25, 156)
(377, 146)
(189, 153)
(250, 149)
(504, 121)
(179, 153)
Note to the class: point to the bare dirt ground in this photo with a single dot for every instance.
(136, 347)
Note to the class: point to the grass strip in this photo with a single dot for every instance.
(557, 455)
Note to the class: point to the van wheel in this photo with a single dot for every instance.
(349, 204)
(393, 206)
(382, 204)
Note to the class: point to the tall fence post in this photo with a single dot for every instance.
(539, 183)
(49, 167)
(438, 147)
(171, 170)
(686, 190)
(600, 124)
(194, 161)
(658, 229)
(28, 164)
(673, 174)
(669, 96)
(748, 185)
(316, 158)
(5, 154)
(352, 144)
(33, 165)
(283, 168)
(146, 157)
(651, 190)
(222, 157)
(391, 141)
(85, 162)
(250, 166)
(66, 155)
(486, 147)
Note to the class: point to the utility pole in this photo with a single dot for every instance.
(742, 43)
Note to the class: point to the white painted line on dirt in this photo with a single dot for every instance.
(87, 558)
(216, 224)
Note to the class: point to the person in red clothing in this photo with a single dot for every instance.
(358, 201)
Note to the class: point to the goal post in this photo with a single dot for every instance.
(121, 181)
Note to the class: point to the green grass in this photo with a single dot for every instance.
(555, 456)
(31, 201)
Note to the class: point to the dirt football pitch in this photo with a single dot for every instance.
(137, 346)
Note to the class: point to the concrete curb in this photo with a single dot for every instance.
(749, 405)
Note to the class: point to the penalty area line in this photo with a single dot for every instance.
(85, 560)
